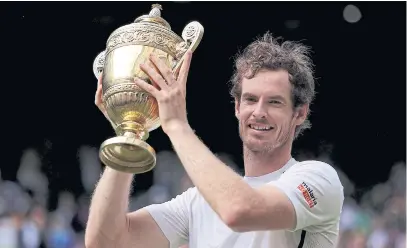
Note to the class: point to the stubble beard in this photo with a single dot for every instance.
(264, 148)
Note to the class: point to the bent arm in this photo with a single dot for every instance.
(307, 196)
(275, 206)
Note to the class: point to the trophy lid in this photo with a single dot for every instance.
(154, 17)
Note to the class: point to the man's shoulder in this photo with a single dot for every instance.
(315, 168)
(190, 193)
(313, 165)
(183, 200)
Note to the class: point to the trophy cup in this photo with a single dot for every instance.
(132, 111)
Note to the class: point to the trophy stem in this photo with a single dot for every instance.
(132, 129)
(130, 135)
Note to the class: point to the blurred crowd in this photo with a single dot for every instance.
(375, 220)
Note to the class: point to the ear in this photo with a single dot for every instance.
(237, 107)
(301, 114)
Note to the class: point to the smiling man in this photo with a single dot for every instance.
(278, 203)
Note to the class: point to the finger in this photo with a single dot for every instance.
(147, 87)
(100, 78)
(156, 85)
(163, 69)
(176, 72)
(154, 76)
(184, 71)
(98, 95)
(99, 91)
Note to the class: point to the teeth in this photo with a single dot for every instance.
(264, 128)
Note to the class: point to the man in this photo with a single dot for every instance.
(278, 203)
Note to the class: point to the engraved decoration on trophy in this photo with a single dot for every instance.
(98, 64)
(132, 111)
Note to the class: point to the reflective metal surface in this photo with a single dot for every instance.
(133, 111)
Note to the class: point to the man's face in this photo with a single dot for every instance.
(265, 111)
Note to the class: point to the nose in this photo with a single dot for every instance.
(259, 111)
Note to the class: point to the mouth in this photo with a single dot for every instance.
(261, 128)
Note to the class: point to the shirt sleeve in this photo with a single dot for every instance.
(173, 217)
(316, 193)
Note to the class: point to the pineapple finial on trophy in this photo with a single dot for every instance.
(155, 10)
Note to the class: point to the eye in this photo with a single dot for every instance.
(275, 102)
(250, 99)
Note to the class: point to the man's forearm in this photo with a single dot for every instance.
(108, 210)
(221, 187)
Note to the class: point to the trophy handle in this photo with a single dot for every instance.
(98, 64)
(192, 35)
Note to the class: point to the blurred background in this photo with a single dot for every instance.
(50, 165)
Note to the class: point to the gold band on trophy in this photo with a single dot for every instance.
(132, 111)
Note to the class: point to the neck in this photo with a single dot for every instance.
(262, 163)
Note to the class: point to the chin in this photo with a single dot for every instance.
(256, 145)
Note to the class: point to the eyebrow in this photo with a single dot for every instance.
(248, 95)
(275, 97)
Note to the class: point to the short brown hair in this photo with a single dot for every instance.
(267, 53)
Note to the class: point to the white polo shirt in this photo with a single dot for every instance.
(313, 187)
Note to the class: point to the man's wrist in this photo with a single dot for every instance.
(176, 129)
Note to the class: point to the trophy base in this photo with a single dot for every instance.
(127, 154)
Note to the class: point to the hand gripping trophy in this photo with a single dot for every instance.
(132, 111)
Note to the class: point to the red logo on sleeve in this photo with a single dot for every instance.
(308, 194)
